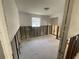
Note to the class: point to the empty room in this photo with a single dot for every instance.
(40, 23)
(39, 29)
(34, 27)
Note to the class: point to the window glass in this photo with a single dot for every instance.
(35, 22)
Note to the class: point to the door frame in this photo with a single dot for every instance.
(65, 28)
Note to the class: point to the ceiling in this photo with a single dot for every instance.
(37, 7)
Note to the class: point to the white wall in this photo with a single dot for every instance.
(54, 21)
(26, 19)
(12, 17)
(74, 23)
(5, 42)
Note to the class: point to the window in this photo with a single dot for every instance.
(35, 22)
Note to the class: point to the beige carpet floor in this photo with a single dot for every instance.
(44, 47)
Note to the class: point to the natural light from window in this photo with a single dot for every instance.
(35, 22)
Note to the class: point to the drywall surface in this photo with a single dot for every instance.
(74, 23)
(5, 42)
(54, 21)
(12, 17)
(26, 19)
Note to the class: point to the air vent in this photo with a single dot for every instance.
(46, 8)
